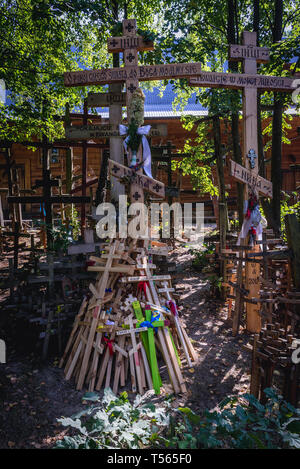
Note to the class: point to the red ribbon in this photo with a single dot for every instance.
(173, 307)
(142, 287)
(109, 344)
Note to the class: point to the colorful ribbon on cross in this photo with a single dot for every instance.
(150, 323)
(173, 307)
(142, 287)
(109, 344)
(252, 222)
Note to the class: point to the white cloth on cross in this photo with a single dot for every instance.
(254, 220)
(143, 131)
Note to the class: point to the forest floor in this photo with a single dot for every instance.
(34, 395)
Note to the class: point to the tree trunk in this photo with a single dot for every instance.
(232, 38)
(276, 160)
(272, 209)
(277, 128)
(293, 239)
(223, 217)
(260, 144)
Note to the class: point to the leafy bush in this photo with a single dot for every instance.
(242, 423)
(287, 207)
(200, 256)
(234, 225)
(116, 423)
(215, 285)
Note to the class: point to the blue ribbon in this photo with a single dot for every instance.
(42, 209)
(150, 323)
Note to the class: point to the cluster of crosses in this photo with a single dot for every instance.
(132, 73)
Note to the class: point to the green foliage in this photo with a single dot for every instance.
(134, 139)
(61, 237)
(198, 31)
(215, 284)
(242, 423)
(42, 39)
(115, 423)
(148, 36)
(200, 259)
(289, 204)
(74, 223)
(234, 225)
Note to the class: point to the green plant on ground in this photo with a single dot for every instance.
(74, 223)
(215, 284)
(201, 259)
(241, 423)
(234, 224)
(288, 207)
(115, 423)
(61, 236)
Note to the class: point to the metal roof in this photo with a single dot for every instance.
(157, 106)
(161, 107)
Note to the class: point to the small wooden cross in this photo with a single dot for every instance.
(149, 342)
(177, 324)
(16, 235)
(48, 199)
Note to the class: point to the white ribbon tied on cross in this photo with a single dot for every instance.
(146, 148)
(254, 220)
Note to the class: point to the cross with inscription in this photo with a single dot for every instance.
(250, 82)
(145, 183)
(130, 44)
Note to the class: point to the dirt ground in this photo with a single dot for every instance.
(33, 395)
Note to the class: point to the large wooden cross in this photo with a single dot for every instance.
(131, 74)
(250, 82)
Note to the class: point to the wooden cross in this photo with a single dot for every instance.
(97, 306)
(164, 153)
(86, 132)
(131, 73)
(186, 345)
(134, 358)
(164, 335)
(139, 180)
(13, 187)
(16, 235)
(106, 365)
(48, 199)
(249, 82)
(254, 181)
(149, 343)
(143, 278)
(83, 133)
(106, 99)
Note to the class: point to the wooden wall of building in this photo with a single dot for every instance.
(30, 168)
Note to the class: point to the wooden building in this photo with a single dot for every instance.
(157, 111)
